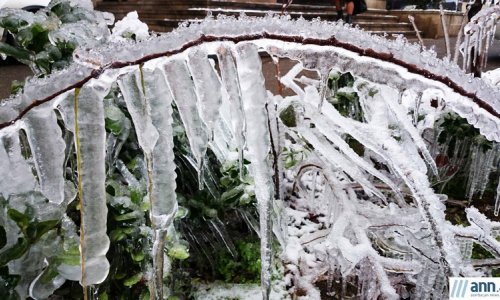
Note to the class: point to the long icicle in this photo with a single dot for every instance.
(163, 197)
(149, 103)
(90, 140)
(258, 144)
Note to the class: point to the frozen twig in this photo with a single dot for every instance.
(460, 35)
(412, 21)
(445, 31)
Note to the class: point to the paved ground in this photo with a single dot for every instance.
(10, 72)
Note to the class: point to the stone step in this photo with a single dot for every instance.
(271, 6)
(165, 25)
(166, 15)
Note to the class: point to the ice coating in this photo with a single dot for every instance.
(160, 100)
(183, 91)
(330, 219)
(497, 201)
(16, 173)
(133, 93)
(90, 139)
(479, 33)
(162, 196)
(398, 51)
(230, 83)
(208, 87)
(254, 100)
(129, 26)
(47, 146)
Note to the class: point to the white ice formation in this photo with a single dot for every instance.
(368, 212)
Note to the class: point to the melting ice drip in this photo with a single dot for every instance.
(373, 216)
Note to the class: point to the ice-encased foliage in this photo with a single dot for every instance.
(359, 211)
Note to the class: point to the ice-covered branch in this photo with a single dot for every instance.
(398, 53)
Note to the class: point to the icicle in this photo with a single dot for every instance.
(149, 103)
(163, 198)
(497, 200)
(15, 172)
(208, 88)
(47, 147)
(90, 140)
(480, 168)
(258, 143)
(160, 100)
(131, 86)
(492, 155)
(181, 85)
(323, 87)
(229, 76)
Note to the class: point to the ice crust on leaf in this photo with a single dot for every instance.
(130, 27)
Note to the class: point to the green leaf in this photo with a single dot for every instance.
(179, 251)
(117, 235)
(136, 196)
(7, 285)
(49, 274)
(16, 86)
(17, 53)
(115, 119)
(12, 23)
(144, 295)
(41, 228)
(40, 37)
(129, 216)
(131, 281)
(70, 257)
(226, 181)
(233, 194)
(43, 61)
(21, 220)
(288, 116)
(103, 296)
(138, 256)
(209, 212)
(181, 213)
(14, 252)
(53, 52)
(245, 199)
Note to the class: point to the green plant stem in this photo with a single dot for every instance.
(80, 194)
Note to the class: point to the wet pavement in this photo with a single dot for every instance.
(10, 72)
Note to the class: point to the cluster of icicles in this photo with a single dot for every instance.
(213, 73)
(479, 35)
